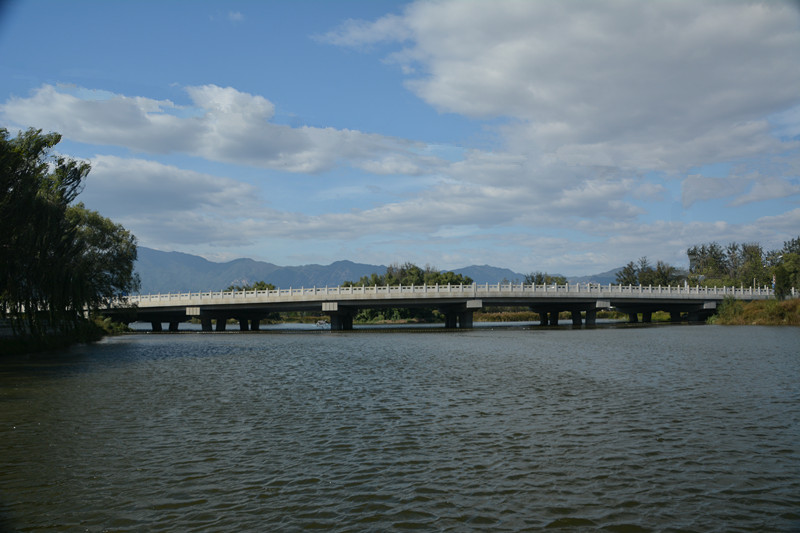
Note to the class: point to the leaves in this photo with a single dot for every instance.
(56, 260)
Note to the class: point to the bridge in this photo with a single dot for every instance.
(456, 302)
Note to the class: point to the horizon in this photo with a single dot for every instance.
(562, 137)
(463, 267)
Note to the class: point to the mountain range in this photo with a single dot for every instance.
(163, 272)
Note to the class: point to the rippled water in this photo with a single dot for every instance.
(667, 428)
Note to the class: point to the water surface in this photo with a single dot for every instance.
(663, 428)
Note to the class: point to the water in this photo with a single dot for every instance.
(663, 428)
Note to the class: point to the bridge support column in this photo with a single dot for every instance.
(633, 318)
(156, 325)
(647, 317)
(591, 317)
(205, 324)
(341, 321)
(173, 326)
(553, 318)
(674, 316)
(465, 319)
(576, 318)
(255, 324)
(244, 324)
(221, 323)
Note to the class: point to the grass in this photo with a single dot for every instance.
(758, 313)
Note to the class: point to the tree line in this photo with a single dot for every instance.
(714, 265)
(405, 274)
(57, 258)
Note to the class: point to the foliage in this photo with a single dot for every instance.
(746, 265)
(758, 312)
(543, 278)
(643, 273)
(410, 274)
(257, 286)
(56, 259)
(405, 274)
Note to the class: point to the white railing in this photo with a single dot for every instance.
(486, 290)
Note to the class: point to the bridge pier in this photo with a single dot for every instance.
(205, 324)
(543, 318)
(553, 318)
(221, 323)
(244, 324)
(591, 317)
(341, 321)
(173, 325)
(647, 317)
(675, 316)
(576, 318)
(156, 326)
(255, 324)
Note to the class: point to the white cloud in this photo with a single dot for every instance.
(768, 188)
(223, 124)
(697, 188)
(658, 85)
(166, 205)
(235, 16)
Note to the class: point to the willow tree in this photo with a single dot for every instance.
(57, 259)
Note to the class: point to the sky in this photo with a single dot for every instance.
(569, 137)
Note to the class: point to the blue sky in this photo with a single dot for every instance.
(564, 136)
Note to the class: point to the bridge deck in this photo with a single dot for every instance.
(491, 294)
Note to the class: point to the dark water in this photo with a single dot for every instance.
(668, 428)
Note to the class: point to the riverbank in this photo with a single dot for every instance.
(758, 313)
(84, 332)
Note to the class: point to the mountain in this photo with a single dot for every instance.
(490, 274)
(603, 278)
(163, 272)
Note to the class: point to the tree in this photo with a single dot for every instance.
(410, 274)
(106, 253)
(628, 275)
(644, 272)
(665, 274)
(56, 259)
(543, 278)
(257, 286)
(405, 274)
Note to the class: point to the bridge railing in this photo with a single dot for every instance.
(473, 290)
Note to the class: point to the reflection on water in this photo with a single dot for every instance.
(659, 428)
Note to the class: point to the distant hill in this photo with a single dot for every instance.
(490, 274)
(179, 272)
(163, 272)
(603, 278)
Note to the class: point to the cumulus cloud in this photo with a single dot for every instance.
(222, 124)
(661, 85)
(768, 188)
(167, 205)
(696, 188)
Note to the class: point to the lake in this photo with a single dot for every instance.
(646, 428)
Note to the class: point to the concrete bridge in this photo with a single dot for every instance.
(456, 302)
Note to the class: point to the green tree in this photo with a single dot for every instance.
(56, 259)
(257, 286)
(543, 278)
(645, 274)
(105, 255)
(628, 275)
